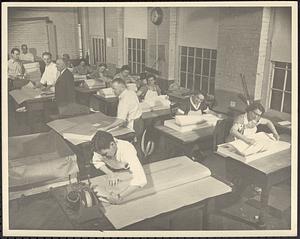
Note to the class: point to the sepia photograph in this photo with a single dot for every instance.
(149, 118)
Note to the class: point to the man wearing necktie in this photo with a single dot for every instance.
(64, 86)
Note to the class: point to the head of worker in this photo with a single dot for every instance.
(47, 58)
(125, 70)
(24, 49)
(15, 54)
(255, 112)
(102, 67)
(198, 97)
(151, 80)
(104, 144)
(118, 85)
(60, 65)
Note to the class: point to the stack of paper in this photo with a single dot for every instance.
(78, 77)
(265, 145)
(183, 129)
(94, 84)
(25, 94)
(106, 93)
(33, 71)
(157, 103)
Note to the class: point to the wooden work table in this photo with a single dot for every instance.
(179, 203)
(264, 172)
(83, 94)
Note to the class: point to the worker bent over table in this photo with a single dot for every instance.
(115, 154)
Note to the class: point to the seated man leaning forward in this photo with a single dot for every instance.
(245, 124)
(117, 154)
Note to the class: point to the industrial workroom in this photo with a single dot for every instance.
(152, 118)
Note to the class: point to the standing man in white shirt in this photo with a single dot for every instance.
(50, 74)
(129, 112)
(114, 154)
(26, 56)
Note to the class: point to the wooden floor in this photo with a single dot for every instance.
(234, 211)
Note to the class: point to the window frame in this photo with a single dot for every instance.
(270, 88)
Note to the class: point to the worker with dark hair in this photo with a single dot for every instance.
(150, 90)
(112, 154)
(82, 68)
(245, 124)
(124, 74)
(15, 67)
(99, 73)
(197, 103)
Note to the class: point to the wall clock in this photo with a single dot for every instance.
(156, 16)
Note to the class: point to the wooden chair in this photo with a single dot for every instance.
(221, 132)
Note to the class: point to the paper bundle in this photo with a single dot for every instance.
(32, 70)
(184, 120)
(157, 103)
(264, 146)
(78, 77)
(183, 129)
(106, 92)
(94, 84)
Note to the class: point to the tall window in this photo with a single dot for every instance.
(198, 68)
(136, 54)
(97, 50)
(280, 99)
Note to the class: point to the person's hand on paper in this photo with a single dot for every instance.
(115, 198)
(113, 180)
(250, 141)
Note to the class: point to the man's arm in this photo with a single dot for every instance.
(271, 126)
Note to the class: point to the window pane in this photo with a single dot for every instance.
(198, 66)
(288, 81)
(212, 86)
(287, 103)
(190, 81)
(182, 79)
(205, 70)
(138, 55)
(143, 68)
(280, 64)
(138, 43)
(199, 52)
(129, 55)
(143, 57)
(134, 43)
(134, 68)
(129, 43)
(143, 44)
(206, 53)
(276, 100)
(197, 82)
(214, 54)
(213, 68)
(134, 55)
(278, 79)
(191, 64)
(138, 70)
(183, 63)
(205, 84)
(289, 65)
(184, 50)
(191, 51)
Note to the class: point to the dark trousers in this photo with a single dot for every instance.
(138, 126)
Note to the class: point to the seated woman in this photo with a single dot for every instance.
(150, 90)
(141, 81)
(124, 74)
(99, 73)
(82, 68)
(245, 124)
(196, 104)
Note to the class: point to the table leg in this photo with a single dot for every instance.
(264, 198)
(208, 209)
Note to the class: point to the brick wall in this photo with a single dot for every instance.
(238, 48)
(65, 21)
(33, 33)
